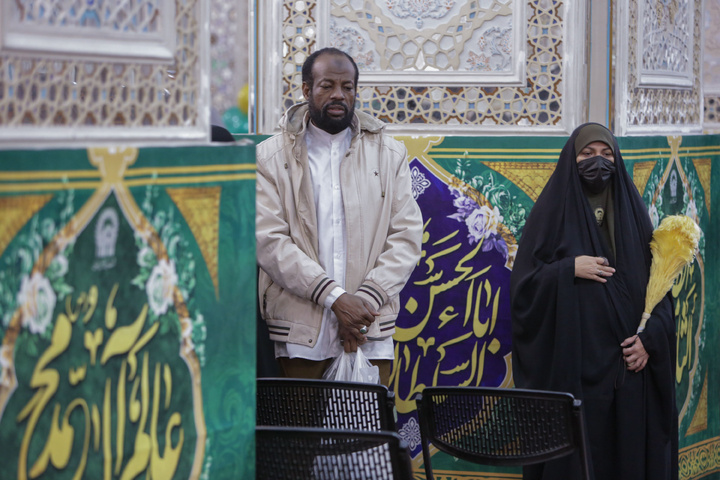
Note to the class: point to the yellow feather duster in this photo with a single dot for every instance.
(673, 246)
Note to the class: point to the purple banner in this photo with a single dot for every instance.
(454, 325)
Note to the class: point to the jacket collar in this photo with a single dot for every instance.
(296, 118)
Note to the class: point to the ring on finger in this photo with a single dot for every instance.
(363, 330)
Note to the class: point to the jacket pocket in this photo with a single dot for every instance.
(270, 299)
(280, 304)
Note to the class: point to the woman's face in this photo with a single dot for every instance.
(596, 149)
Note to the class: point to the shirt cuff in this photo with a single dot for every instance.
(334, 295)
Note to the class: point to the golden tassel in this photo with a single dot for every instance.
(673, 246)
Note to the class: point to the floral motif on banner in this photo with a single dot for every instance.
(419, 182)
(35, 294)
(159, 277)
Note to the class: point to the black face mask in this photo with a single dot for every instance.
(596, 172)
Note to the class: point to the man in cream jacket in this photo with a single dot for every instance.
(338, 230)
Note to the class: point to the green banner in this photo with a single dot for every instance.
(127, 307)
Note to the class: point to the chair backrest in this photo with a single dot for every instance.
(499, 426)
(296, 453)
(324, 403)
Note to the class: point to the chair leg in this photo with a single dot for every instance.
(426, 454)
(580, 432)
(426, 461)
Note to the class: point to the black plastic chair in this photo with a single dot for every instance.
(497, 426)
(324, 403)
(297, 453)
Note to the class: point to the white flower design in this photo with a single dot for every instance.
(5, 365)
(482, 223)
(691, 210)
(37, 302)
(145, 256)
(410, 432)
(59, 265)
(187, 332)
(193, 329)
(654, 216)
(419, 182)
(160, 286)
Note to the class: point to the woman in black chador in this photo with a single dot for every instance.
(578, 293)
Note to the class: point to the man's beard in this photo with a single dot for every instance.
(325, 122)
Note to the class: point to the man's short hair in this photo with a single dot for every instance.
(307, 76)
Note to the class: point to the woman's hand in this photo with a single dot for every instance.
(636, 357)
(593, 268)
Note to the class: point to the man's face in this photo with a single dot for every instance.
(331, 97)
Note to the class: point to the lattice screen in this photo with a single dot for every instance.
(65, 97)
(665, 49)
(396, 41)
(658, 75)
(712, 111)
(711, 66)
(441, 61)
(136, 17)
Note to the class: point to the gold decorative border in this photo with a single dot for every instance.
(419, 474)
(699, 421)
(700, 459)
(200, 207)
(16, 211)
